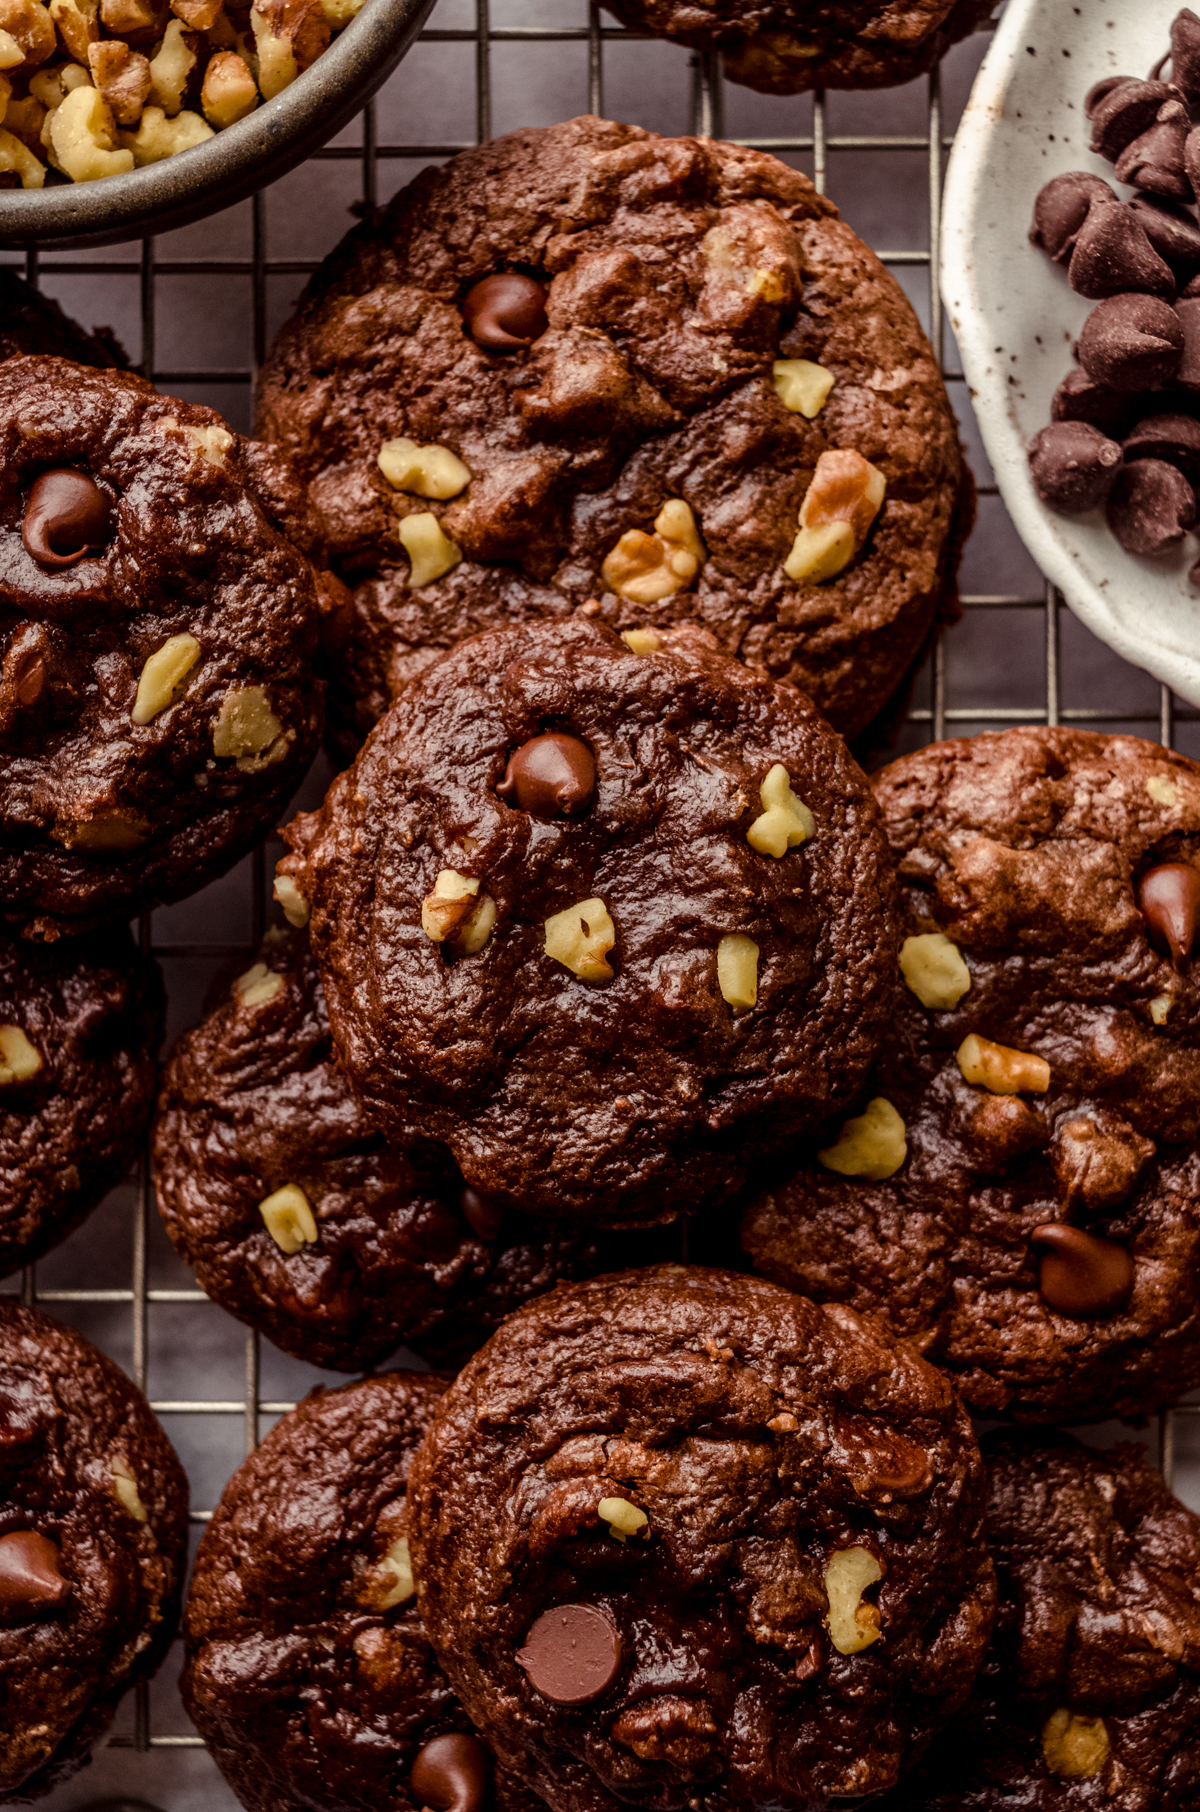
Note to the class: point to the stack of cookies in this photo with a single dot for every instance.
(737, 1126)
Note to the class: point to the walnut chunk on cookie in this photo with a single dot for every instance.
(158, 632)
(619, 385)
(801, 1596)
(1036, 1223)
(654, 1006)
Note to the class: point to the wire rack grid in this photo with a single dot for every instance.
(1017, 656)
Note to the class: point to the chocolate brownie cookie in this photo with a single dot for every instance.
(309, 1673)
(656, 377)
(685, 1539)
(157, 635)
(79, 1028)
(1019, 1186)
(1090, 1692)
(31, 322)
(93, 1544)
(305, 1224)
(784, 46)
(574, 922)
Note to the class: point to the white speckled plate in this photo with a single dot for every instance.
(1016, 318)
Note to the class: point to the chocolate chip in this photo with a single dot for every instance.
(1150, 507)
(482, 1216)
(1061, 209)
(1103, 88)
(505, 312)
(1079, 1274)
(1131, 342)
(572, 1654)
(1124, 113)
(1079, 398)
(452, 1773)
(1187, 372)
(1171, 230)
(66, 517)
(1155, 160)
(1175, 438)
(1185, 52)
(1113, 255)
(1168, 897)
(550, 776)
(1073, 466)
(29, 1571)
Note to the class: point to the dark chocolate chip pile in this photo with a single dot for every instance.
(1125, 431)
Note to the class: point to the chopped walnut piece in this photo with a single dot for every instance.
(296, 909)
(580, 938)
(737, 970)
(158, 137)
(642, 641)
(83, 138)
(288, 1218)
(258, 986)
(170, 68)
(19, 1060)
(1160, 1008)
(340, 12)
(839, 507)
(11, 54)
(122, 77)
(623, 1518)
(431, 552)
(647, 568)
(423, 471)
(785, 822)
(390, 1582)
(1000, 1069)
(162, 676)
(871, 1145)
(457, 914)
(197, 15)
(247, 729)
(289, 35)
(77, 25)
(142, 19)
(229, 92)
(853, 1624)
(18, 158)
(1074, 1746)
(802, 386)
(30, 24)
(934, 970)
(125, 1489)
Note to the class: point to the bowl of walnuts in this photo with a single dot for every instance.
(123, 117)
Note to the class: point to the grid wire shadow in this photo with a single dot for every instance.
(707, 117)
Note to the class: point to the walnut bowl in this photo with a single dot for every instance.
(233, 163)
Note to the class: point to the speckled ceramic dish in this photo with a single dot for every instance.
(1016, 317)
(234, 163)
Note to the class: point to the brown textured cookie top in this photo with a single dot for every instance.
(398, 1251)
(93, 1543)
(1090, 1692)
(760, 1521)
(784, 46)
(1042, 1234)
(33, 323)
(79, 1029)
(309, 1673)
(678, 271)
(618, 1074)
(157, 702)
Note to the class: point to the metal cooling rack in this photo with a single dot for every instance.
(1016, 656)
